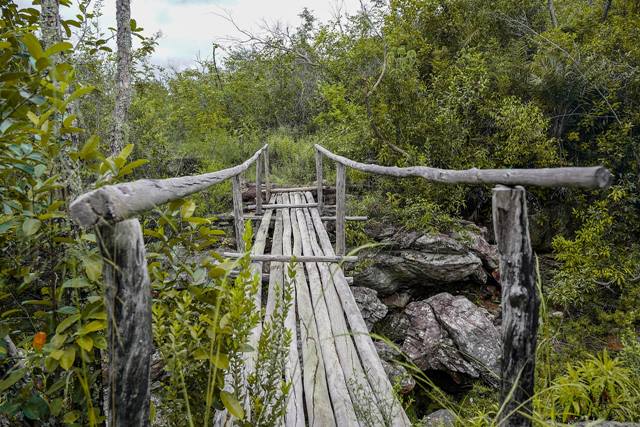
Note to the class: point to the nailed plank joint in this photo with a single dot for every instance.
(520, 303)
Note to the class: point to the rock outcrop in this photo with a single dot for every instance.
(371, 307)
(397, 373)
(450, 333)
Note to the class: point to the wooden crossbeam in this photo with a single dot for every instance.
(287, 258)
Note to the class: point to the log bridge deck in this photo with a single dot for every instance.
(336, 375)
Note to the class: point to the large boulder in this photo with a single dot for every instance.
(413, 260)
(371, 307)
(450, 333)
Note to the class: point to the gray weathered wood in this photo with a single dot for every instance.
(285, 258)
(259, 185)
(285, 206)
(340, 399)
(275, 269)
(318, 403)
(253, 217)
(520, 303)
(359, 388)
(237, 213)
(341, 182)
(293, 369)
(296, 189)
(383, 391)
(591, 177)
(319, 178)
(267, 174)
(114, 203)
(128, 306)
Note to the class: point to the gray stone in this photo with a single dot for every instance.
(480, 247)
(397, 373)
(395, 326)
(451, 334)
(399, 300)
(439, 418)
(371, 307)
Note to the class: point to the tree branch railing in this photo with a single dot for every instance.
(520, 300)
(111, 210)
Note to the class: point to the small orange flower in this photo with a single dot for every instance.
(39, 339)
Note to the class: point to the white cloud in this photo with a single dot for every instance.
(189, 27)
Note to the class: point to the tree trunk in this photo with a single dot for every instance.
(123, 76)
(50, 24)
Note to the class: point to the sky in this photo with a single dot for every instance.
(189, 27)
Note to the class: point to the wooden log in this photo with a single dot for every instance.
(128, 306)
(267, 174)
(340, 399)
(591, 177)
(359, 388)
(319, 171)
(285, 206)
(237, 213)
(299, 189)
(341, 181)
(318, 403)
(252, 217)
(266, 276)
(293, 369)
(114, 203)
(520, 304)
(259, 185)
(276, 277)
(285, 258)
(376, 375)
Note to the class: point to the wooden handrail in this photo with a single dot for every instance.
(589, 177)
(115, 203)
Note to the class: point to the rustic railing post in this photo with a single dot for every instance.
(267, 178)
(128, 305)
(259, 186)
(520, 304)
(237, 212)
(341, 183)
(319, 196)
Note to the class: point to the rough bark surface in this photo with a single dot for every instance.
(520, 304)
(123, 75)
(128, 304)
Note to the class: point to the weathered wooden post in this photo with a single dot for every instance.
(520, 304)
(259, 186)
(319, 183)
(341, 183)
(267, 178)
(237, 212)
(130, 338)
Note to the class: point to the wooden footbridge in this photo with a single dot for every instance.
(335, 373)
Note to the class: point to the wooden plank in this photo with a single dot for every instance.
(341, 181)
(237, 213)
(316, 392)
(128, 306)
(267, 174)
(114, 203)
(298, 189)
(591, 177)
(319, 171)
(259, 185)
(275, 269)
(520, 304)
(284, 206)
(227, 217)
(285, 258)
(359, 388)
(266, 276)
(293, 369)
(340, 399)
(391, 408)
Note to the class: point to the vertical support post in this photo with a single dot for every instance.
(237, 212)
(520, 304)
(341, 200)
(128, 305)
(319, 182)
(259, 185)
(267, 178)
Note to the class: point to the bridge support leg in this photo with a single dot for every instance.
(341, 200)
(259, 186)
(520, 304)
(319, 182)
(237, 213)
(128, 305)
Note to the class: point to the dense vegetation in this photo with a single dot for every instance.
(452, 84)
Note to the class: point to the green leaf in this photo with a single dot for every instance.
(131, 166)
(57, 48)
(68, 357)
(96, 325)
(220, 360)
(90, 148)
(33, 45)
(187, 208)
(93, 267)
(76, 282)
(62, 326)
(231, 404)
(13, 378)
(5, 45)
(99, 342)
(85, 342)
(31, 226)
(35, 408)
(126, 151)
